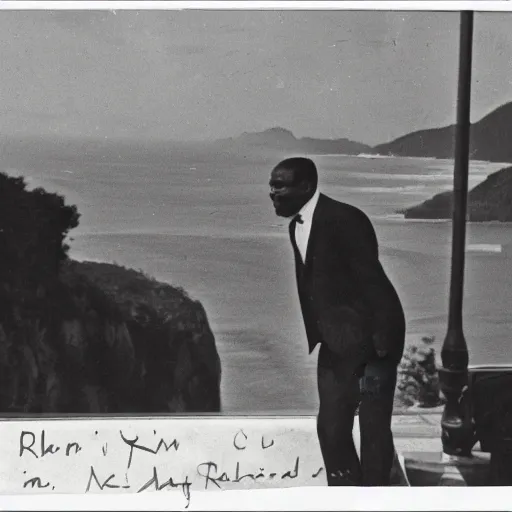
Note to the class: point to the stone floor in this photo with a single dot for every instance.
(418, 441)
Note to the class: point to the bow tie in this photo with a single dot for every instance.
(297, 219)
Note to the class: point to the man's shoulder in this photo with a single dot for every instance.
(336, 207)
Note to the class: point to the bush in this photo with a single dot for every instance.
(33, 228)
(418, 380)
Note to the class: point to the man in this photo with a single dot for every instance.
(351, 308)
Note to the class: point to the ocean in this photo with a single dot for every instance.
(203, 221)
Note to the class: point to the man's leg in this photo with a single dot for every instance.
(338, 389)
(375, 414)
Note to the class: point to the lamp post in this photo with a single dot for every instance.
(456, 423)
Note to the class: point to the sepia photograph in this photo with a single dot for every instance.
(266, 214)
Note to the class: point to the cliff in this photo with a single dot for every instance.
(490, 200)
(81, 337)
(489, 140)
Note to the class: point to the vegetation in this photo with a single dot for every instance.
(91, 337)
(33, 227)
(418, 380)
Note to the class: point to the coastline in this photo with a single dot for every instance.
(421, 158)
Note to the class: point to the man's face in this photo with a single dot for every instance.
(286, 193)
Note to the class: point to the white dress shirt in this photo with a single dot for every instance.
(302, 231)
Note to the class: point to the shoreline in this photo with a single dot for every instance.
(273, 231)
(377, 156)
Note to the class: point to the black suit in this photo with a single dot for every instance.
(350, 306)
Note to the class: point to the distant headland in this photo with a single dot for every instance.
(490, 140)
(488, 201)
(281, 139)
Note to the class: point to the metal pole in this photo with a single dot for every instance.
(457, 432)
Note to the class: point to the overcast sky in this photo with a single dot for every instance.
(369, 76)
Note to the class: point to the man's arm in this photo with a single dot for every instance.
(372, 283)
(344, 326)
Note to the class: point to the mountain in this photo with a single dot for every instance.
(490, 200)
(284, 140)
(490, 140)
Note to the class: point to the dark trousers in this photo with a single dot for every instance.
(344, 385)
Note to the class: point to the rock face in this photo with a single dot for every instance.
(97, 338)
(490, 200)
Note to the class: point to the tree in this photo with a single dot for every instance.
(33, 228)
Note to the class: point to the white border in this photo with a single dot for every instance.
(359, 5)
(314, 498)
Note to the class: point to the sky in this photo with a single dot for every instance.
(368, 76)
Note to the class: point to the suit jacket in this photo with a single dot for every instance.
(347, 300)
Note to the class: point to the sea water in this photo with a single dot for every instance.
(202, 220)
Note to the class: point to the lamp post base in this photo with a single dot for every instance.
(458, 436)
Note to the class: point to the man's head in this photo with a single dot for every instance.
(293, 183)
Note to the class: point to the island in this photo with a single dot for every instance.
(86, 337)
(488, 201)
(283, 140)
